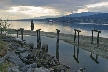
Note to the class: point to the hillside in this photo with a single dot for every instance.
(81, 14)
(99, 15)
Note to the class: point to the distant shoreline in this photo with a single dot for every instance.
(85, 41)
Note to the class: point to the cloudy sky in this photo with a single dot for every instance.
(18, 9)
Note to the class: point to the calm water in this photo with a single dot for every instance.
(69, 55)
(72, 56)
(64, 27)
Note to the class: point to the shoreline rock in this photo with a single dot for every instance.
(26, 58)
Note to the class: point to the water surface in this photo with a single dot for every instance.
(72, 56)
(63, 27)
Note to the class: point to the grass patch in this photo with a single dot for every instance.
(4, 66)
(3, 47)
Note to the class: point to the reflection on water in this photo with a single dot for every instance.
(95, 59)
(63, 27)
(72, 56)
(76, 56)
(57, 49)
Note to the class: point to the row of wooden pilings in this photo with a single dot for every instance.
(75, 36)
(39, 39)
(94, 30)
(38, 36)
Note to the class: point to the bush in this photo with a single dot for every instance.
(4, 24)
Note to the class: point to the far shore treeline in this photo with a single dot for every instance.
(100, 18)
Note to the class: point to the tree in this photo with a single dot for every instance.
(4, 25)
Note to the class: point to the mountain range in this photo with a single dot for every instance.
(88, 15)
(81, 14)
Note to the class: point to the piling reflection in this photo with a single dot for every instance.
(76, 56)
(57, 49)
(32, 25)
(95, 59)
(38, 38)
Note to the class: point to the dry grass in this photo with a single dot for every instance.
(4, 66)
(3, 47)
(3, 50)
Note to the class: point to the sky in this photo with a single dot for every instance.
(20, 9)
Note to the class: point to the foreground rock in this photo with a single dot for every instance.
(26, 58)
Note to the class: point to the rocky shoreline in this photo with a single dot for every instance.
(24, 57)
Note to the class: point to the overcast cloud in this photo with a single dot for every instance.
(34, 8)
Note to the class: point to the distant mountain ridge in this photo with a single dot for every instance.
(99, 15)
(81, 14)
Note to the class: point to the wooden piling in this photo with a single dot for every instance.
(97, 36)
(22, 29)
(74, 35)
(58, 33)
(78, 38)
(32, 25)
(78, 31)
(38, 38)
(92, 37)
(57, 49)
(57, 45)
(17, 32)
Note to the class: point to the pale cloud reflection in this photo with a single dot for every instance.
(47, 27)
(43, 26)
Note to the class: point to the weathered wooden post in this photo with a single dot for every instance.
(38, 38)
(98, 38)
(78, 36)
(57, 49)
(17, 32)
(32, 25)
(92, 37)
(57, 45)
(22, 29)
(58, 33)
(74, 35)
(78, 31)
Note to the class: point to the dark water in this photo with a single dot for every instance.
(69, 55)
(63, 27)
(72, 56)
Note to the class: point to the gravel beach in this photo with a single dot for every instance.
(84, 41)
